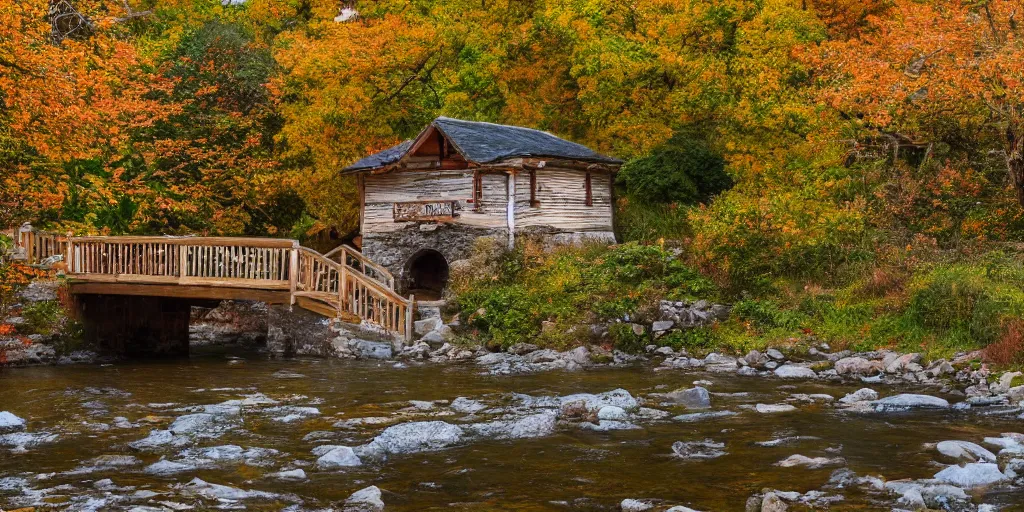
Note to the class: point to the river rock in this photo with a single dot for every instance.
(963, 451)
(10, 423)
(907, 401)
(215, 492)
(861, 395)
(775, 354)
(534, 425)
(338, 457)
(680, 508)
(857, 366)
(168, 467)
(521, 349)
(365, 349)
(467, 406)
(975, 474)
(773, 408)
(693, 398)
(413, 437)
(611, 412)
(294, 475)
(631, 505)
(810, 462)
(159, 439)
(773, 503)
(662, 325)
(790, 371)
(703, 416)
(706, 449)
(365, 500)
(903, 363)
(426, 325)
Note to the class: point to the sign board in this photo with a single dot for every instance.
(426, 211)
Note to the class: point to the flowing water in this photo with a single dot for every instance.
(571, 469)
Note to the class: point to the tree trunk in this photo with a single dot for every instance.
(1015, 158)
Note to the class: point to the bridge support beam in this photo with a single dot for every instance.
(136, 326)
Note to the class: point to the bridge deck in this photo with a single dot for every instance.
(342, 283)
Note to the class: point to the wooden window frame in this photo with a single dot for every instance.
(534, 202)
(590, 190)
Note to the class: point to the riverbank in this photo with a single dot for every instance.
(305, 434)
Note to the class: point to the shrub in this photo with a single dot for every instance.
(685, 170)
(626, 340)
(41, 317)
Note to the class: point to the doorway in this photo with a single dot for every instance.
(427, 274)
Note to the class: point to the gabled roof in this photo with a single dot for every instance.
(484, 143)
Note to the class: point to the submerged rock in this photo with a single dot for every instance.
(810, 462)
(693, 398)
(706, 449)
(773, 408)
(907, 401)
(701, 416)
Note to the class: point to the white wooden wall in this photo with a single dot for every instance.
(562, 194)
(383, 190)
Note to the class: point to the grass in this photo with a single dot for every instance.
(938, 308)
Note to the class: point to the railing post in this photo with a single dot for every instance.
(293, 271)
(69, 256)
(343, 284)
(408, 318)
(182, 261)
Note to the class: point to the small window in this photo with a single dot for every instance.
(590, 191)
(533, 189)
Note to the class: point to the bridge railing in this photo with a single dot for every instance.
(40, 245)
(353, 258)
(352, 291)
(217, 261)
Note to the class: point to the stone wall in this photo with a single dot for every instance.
(394, 249)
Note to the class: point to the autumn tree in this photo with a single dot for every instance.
(943, 71)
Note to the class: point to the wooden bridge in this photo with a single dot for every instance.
(341, 284)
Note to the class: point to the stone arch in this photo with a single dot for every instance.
(426, 274)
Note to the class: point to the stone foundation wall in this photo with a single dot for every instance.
(394, 249)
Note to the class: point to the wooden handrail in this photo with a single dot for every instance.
(367, 266)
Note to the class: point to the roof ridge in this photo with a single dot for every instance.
(545, 132)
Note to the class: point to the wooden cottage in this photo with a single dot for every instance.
(425, 201)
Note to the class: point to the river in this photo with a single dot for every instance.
(78, 415)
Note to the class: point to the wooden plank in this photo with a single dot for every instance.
(178, 291)
(235, 282)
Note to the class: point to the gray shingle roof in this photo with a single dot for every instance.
(487, 142)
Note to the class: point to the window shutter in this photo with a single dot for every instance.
(590, 191)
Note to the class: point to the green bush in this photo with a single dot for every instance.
(41, 317)
(509, 313)
(700, 340)
(685, 170)
(626, 340)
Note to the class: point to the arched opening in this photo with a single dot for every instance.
(426, 274)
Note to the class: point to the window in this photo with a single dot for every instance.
(533, 189)
(590, 191)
